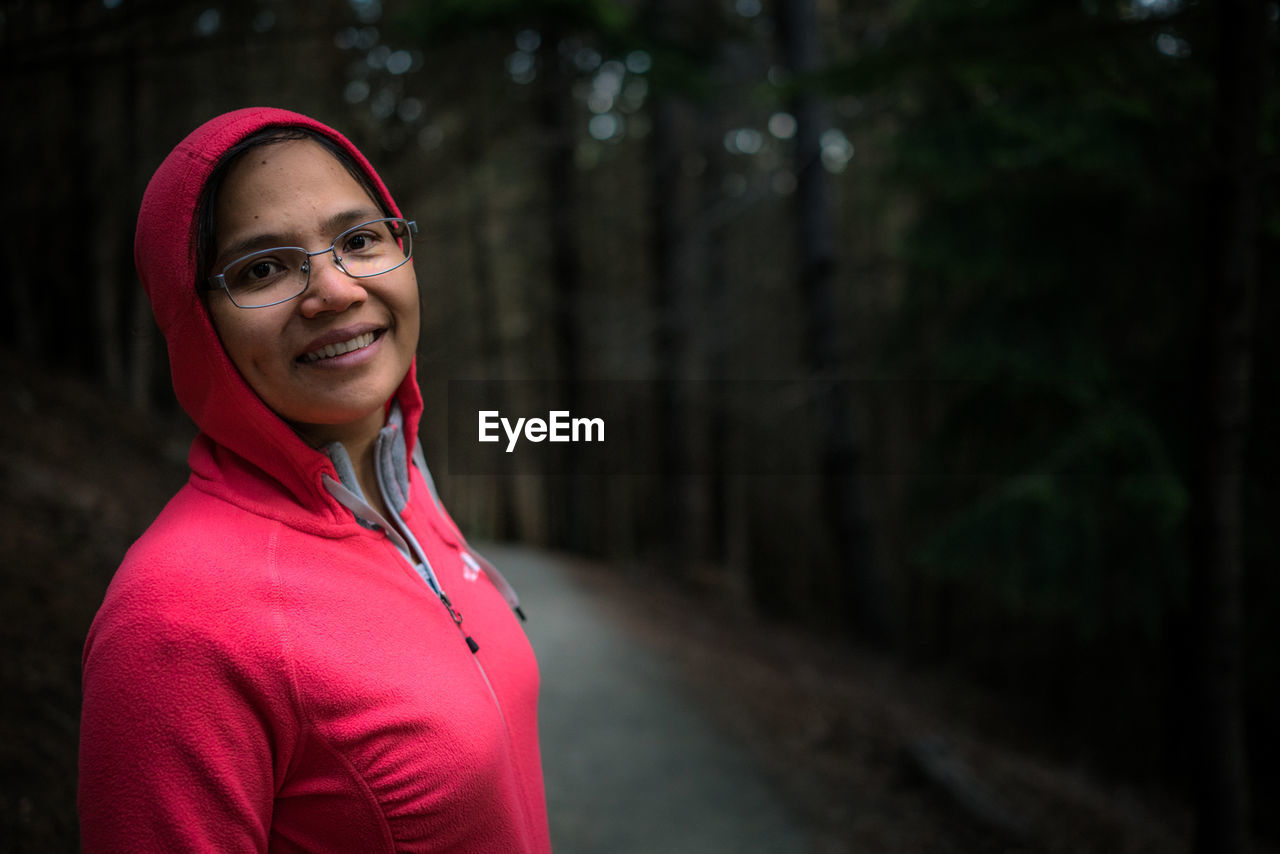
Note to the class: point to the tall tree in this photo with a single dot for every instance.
(671, 209)
(860, 590)
(487, 297)
(557, 114)
(1216, 567)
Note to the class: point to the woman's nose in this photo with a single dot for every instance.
(329, 288)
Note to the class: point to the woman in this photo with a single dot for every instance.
(301, 653)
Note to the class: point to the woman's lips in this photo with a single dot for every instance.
(339, 348)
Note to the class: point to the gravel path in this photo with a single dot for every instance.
(631, 765)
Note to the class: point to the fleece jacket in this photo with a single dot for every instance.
(267, 673)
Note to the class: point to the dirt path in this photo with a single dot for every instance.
(631, 765)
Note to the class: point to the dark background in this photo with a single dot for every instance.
(1002, 271)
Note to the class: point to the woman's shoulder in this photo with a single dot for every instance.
(196, 529)
(188, 619)
(198, 559)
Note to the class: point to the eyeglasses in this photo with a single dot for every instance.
(272, 276)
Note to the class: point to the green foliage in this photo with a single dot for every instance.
(442, 20)
(683, 56)
(1088, 537)
(1056, 157)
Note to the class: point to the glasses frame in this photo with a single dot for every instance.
(219, 281)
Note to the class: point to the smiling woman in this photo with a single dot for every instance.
(281, 661)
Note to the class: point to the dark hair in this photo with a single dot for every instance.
(206, 210)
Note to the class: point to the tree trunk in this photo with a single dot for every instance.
(143, 337)
(669, 205)
(858, 588)
(727, 534)
(1222, 775)
(564, 510)
(109, 232)
(489, 317)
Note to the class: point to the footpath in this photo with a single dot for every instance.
(631, 765)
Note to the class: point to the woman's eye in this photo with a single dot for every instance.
(258, 273)
(263, 270)
(363, 241)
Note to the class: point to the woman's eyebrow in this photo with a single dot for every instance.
(348, 218)
(336, 223)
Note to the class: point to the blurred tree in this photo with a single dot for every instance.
(1223, 404)
(1061, 170)
(686, 41)
(477, 205)
(860, 590)
(670, 214)
(1023, 153)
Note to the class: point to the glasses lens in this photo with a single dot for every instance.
(374, 247)
(267, 277)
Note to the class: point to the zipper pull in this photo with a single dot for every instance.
(457, 621)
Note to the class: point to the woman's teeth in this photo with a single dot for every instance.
(330, 350)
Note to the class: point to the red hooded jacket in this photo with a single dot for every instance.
(268, 673)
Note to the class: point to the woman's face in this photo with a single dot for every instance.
(295, 193)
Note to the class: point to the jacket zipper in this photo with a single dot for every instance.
(406, 545)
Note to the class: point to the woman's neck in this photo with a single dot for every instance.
(359, 439)
(366, 466)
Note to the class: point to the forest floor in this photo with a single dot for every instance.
(836, 728)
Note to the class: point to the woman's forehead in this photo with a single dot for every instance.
(288, 184)
(295, 178)
(287, 167)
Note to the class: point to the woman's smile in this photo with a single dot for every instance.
(340, 343)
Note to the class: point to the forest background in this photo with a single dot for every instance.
(933, 326)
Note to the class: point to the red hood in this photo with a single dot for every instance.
(227, 411)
